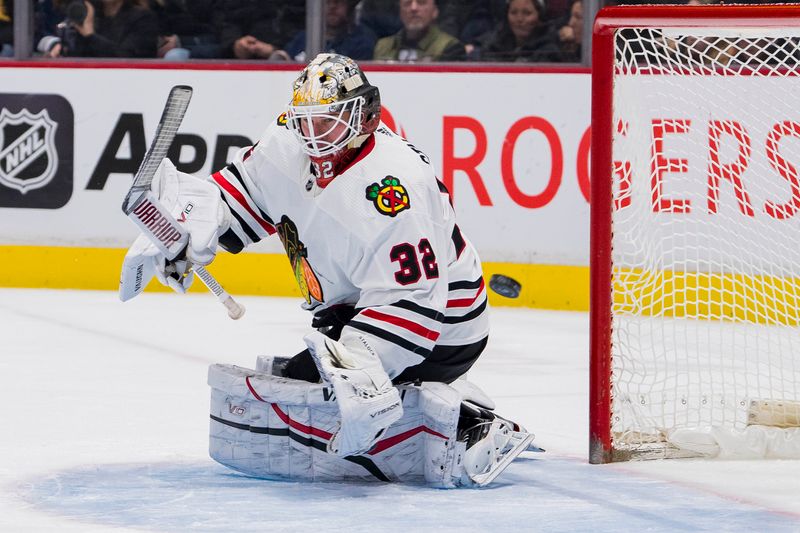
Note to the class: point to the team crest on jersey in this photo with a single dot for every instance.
(282, 120)
(298, 257)
(389, 196)
(28, 156)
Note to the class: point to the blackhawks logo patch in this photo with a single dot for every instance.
(389, 196)
(298, 254)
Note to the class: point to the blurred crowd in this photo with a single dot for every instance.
(274, 30)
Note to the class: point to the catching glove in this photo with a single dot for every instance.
(198, 206)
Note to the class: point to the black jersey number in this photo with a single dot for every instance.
(406, 256)
(419, 152)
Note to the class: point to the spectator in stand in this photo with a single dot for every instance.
(254, 29)
(570, 36)
(420, 39)
(103, 28)
(559, 10)
(45, 17)
(471, 21)
(381, 16)
(522, 36)
(6, 29)
(342, 35)
(188, 29)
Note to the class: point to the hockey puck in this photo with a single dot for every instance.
(504, 286)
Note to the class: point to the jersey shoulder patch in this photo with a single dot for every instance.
(389, 196)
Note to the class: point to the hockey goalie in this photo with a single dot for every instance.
(396, 291)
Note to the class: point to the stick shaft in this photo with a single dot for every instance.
(235, 309)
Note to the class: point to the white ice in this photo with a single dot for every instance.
(105, 421)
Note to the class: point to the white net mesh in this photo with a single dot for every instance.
(706, 228)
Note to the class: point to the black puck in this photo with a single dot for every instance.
(504, 286)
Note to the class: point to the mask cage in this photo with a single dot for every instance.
(316, 126)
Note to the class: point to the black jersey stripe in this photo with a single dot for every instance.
(458, 241)
(443, 190)
(390, 337)
(251, 234)
(458, 285)
(233, 170)
(231, 242)
(469, 316)
(433, 314)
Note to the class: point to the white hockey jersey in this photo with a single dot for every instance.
(381, 237)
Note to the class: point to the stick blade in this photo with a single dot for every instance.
(171, 118)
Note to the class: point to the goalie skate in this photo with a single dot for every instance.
(492, 444)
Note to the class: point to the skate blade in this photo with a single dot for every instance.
(481, 480)
(534, 448)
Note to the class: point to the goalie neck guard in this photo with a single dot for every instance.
(334, 109)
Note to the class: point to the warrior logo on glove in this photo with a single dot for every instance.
(389, 197)
(296, 250)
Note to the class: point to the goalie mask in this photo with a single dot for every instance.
(333, 111)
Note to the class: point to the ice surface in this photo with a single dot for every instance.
(105, 421)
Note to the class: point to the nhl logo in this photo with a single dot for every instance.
(28, 155)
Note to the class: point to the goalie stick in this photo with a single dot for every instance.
(143, 207)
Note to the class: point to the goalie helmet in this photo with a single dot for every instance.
(333, 111)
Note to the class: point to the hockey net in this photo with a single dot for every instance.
(695, 232)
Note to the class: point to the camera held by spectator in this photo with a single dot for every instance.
(66, 35)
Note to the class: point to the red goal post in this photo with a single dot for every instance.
(692, 188)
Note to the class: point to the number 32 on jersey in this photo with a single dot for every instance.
(412, 266)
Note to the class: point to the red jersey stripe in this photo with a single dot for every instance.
(234, 192)
(466, 302)
(413, 327)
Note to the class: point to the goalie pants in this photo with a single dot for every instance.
(444, 364)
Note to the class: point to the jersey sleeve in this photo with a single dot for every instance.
(250, 222)
(251, 185)
(403, 292)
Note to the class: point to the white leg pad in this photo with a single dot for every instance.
(278, 428)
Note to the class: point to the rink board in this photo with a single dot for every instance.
(515, 169)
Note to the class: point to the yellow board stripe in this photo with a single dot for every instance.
(716, 296)
(754, 299)
(543, 286)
